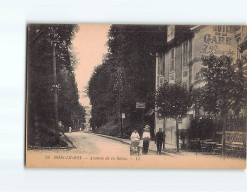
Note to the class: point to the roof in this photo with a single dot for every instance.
(243, 46)
(182, 33)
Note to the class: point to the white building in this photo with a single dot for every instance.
(184, 45)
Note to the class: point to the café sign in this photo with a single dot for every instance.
(220, 36)
(220, 40)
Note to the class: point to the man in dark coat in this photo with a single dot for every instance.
(159, 140)
(164, 141)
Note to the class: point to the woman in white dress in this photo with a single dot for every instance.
(135, 141)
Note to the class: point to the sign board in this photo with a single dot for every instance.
(123, 115)
(217, 40)
(140, 104)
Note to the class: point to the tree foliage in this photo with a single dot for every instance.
(224, 93)
(225, 88)
(40, 78)
(172, 100)
(127, 74)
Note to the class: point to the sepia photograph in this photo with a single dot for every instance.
(136, 96)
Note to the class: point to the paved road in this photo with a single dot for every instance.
(91, 144)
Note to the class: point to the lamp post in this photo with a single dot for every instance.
(122, 119)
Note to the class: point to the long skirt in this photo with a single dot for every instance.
(145, 146)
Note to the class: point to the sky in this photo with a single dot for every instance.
(89, 46)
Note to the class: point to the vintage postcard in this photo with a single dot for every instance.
(136, 96)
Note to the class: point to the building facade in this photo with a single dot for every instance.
(176, 61)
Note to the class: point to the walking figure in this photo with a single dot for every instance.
(159, 140)
(164, 141)
(135, 141)
(146, 137)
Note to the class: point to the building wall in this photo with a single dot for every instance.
(159, 123)
(170, 131)
(178, 64)
(217, 40)
(167, 61)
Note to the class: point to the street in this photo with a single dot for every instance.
(91, 148)
(91, 144)
(95, 145)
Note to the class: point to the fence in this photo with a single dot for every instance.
(235, 136)
(236, 124)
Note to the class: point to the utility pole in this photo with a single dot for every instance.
(55, 86)
(120, 99)
(121, 125)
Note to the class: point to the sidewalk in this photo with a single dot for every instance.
(169, 149)
(62, 138)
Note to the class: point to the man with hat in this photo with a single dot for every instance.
(159, 140)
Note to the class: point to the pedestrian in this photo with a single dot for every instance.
(135, 136)
(164, 141)
(135, 141)
(146, 138)
(159, 140)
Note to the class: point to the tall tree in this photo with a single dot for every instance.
(129, 70)
(173, 101)
(40, 97)
(225, 88)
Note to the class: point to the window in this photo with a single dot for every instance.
(185, 73)
(161, 60)
(185, 54)
(160, 81)
(158, 64)
(172, 77)
(172, 65)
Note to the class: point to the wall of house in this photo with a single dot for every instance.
(167, 61)
(168, 125)
(178, 64)
(159, 123)
(216, 40)
(170, 131)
